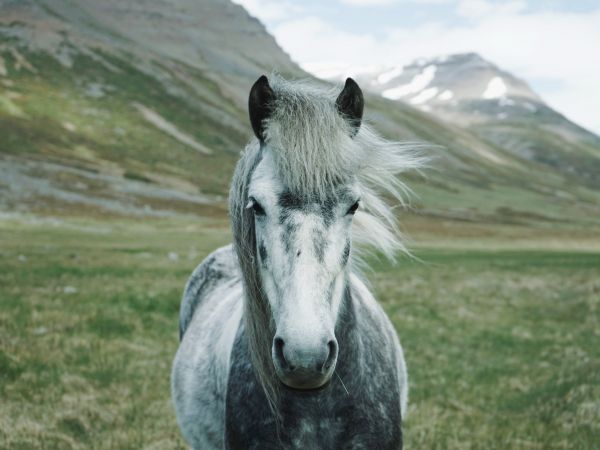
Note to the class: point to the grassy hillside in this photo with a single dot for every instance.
(499, 340)
(95, 120)
(58, 117)
(90, 122)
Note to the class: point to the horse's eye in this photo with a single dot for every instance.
(353, 208)
(255, 206)
(258, 210)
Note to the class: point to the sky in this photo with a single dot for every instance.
(554, 45)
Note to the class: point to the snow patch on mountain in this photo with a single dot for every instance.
(417, 84)
(389, 75)
(425, 95)
(446, 95)
(496, 88)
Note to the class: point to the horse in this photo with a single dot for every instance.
(282, 345)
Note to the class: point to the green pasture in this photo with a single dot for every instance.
(502, 342)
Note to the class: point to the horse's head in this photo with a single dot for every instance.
(303, 233)
(293, 201)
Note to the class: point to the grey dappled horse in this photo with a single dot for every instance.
(282, 344)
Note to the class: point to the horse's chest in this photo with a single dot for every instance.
(327, 419)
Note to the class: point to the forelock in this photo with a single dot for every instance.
(309, 139)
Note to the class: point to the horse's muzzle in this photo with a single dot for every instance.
(302, 367)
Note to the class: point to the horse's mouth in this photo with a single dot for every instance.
(305, 381)
(306, 387)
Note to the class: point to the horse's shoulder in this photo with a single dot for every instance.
(217, 268)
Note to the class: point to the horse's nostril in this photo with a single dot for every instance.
(331, 356)
(278, 344)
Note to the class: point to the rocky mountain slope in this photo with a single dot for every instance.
(139, 108)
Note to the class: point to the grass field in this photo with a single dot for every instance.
(502, 343)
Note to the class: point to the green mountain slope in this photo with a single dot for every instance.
(139, 108)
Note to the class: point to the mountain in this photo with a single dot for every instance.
(112, 94)
(473, 93)
(139, 108)
(462, 88)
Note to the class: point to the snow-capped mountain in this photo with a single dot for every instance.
(473, 93)
(464, 83)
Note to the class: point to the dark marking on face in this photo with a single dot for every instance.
(327, 210)
(320, 244)
(346, 253)
(262, 251)
(284, 215)
(299, 253)
(289, 200)
(288, 235)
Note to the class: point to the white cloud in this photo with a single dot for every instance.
(389, 2)
(557, 46)
(312, 40)
(477, 9)
(366, 2)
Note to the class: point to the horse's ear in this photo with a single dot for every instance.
(259, 105)
(350, 103)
